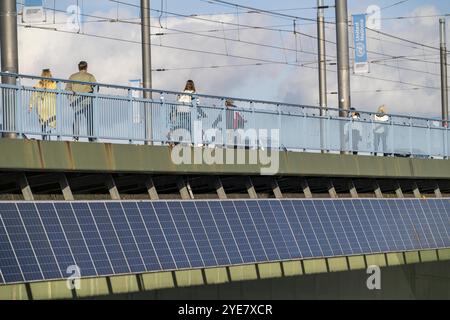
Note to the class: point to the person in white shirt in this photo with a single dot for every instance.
(189, 89)
(183, 116)
(381, 130)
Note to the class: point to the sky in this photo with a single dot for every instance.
(398, 83)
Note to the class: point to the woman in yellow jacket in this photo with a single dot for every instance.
(45, 102)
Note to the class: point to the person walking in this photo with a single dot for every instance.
(45, 102)
(353, 129)
(183, 112)
(83, 104)
(381, 130)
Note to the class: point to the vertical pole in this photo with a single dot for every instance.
(9, 60)
(322, 57)
(146, 66)
(444, 81)
(343, 57)
(321, 45)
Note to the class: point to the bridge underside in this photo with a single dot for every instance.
(36, 170)
(63, 170)
(87, 186)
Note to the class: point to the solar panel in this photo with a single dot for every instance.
(40, 240)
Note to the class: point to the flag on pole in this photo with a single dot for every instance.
(360, 38)
(33, 11)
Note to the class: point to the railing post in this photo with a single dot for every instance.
(224, 125)
(392, 136)
(95, 121)
(372, 137)
(193, 120)
(303, 146)
(327, 135)
(59, 116)
(279, 129)
(350, 135)
(446, 141)
(410, 137)
(19, 112)
(429, 138)
(167, 122)
(130, 115)
(254, 126)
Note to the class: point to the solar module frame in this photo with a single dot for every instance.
(40, 239)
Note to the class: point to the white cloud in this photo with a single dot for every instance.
(420, 103)
(117, 62)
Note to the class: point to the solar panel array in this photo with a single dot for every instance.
(40, 240)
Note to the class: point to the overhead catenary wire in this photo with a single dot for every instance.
(261, 28)
(202, 35)
(262, 11)
(170, 47)
(256, 27)
(274, 62)
(394, 5)
(223, 54)
(284, 49)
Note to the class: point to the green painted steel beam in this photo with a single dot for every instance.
(30, 155)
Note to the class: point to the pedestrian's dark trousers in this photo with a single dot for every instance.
(45, 128)
(356, 137)
(83, 107)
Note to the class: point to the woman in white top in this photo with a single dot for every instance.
(189, 89)
(381, 129)
(183, 111)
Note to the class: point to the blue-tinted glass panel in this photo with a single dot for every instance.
(109, 236)
(9, 266)
(249, 228)
(212, 233)
(56, 236)
(75, 238)
(157, 236)
(171, 234)
(39, 241)
(239, 234)
(294, 223)
(303, 218)
(21, 245)
(285, 229)
(142, 236)
(125, 237)
(319, 232)
(225, 232)
(184, 230)
(323, 210)
(263, 230)
(199, 234)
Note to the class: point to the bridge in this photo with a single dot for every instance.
(319, 221)
(118, 114)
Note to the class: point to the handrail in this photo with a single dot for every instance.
(278, 104)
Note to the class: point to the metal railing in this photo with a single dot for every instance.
(118, 114)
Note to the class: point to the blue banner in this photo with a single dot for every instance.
(34, 3)
(360, 39)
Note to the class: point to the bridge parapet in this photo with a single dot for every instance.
(118, 114)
